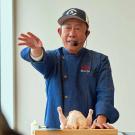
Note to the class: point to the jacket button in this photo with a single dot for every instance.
(65, 76)
(65, 97)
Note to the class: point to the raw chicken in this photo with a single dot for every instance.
(75, 119)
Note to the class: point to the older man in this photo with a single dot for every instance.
(76, 78)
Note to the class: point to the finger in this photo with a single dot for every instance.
(96, 125)
(106, 125)
(30, 42)
(22, 43)
(111, 126)
(26, 44)
(22, 39)
(93, 126)
(27, 41)
(33, 36)
(99, 126)
(39, 42)
(24, 35)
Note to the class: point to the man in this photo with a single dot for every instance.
(76, 78)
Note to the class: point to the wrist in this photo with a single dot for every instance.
(101, 119)
(36, 52)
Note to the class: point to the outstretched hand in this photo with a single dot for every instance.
(97, 125)
(30, 40)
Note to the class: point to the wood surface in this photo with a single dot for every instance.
(78, 132)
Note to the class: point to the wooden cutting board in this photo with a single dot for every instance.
(77, 132)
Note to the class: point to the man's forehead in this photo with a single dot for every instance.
(73, 21)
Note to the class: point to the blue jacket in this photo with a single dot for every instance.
(87, 83)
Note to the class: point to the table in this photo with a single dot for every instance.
(76, 132)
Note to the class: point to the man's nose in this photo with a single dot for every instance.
(72, 33)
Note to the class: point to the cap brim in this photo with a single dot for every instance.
(64, 18)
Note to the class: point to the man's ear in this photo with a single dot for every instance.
(59, 31)
(87, 33)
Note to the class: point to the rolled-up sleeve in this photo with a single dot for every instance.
(105, 92)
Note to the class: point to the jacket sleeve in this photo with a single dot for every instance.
(105, 92)
(44, 66)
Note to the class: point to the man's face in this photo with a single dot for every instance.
(73, 34)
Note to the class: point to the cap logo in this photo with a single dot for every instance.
(71, 12)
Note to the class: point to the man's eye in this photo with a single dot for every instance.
(67, 28)
(77, 28)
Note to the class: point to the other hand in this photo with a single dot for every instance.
(30, 40)
(97, 125)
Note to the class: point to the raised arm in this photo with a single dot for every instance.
(35, 54)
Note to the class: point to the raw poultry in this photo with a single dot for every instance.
(75, 119)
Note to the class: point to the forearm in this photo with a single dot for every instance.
(105, 92)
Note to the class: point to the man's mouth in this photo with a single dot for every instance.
(73, 43)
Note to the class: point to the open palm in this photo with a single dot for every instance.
(30, 40)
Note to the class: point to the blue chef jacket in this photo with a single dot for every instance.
(87, 83)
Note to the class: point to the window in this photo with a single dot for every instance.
(7, 60)
(0, 56)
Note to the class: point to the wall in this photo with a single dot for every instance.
(112, 33)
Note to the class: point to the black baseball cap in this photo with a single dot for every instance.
(74, 13)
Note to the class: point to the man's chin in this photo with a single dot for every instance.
(72, 50)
